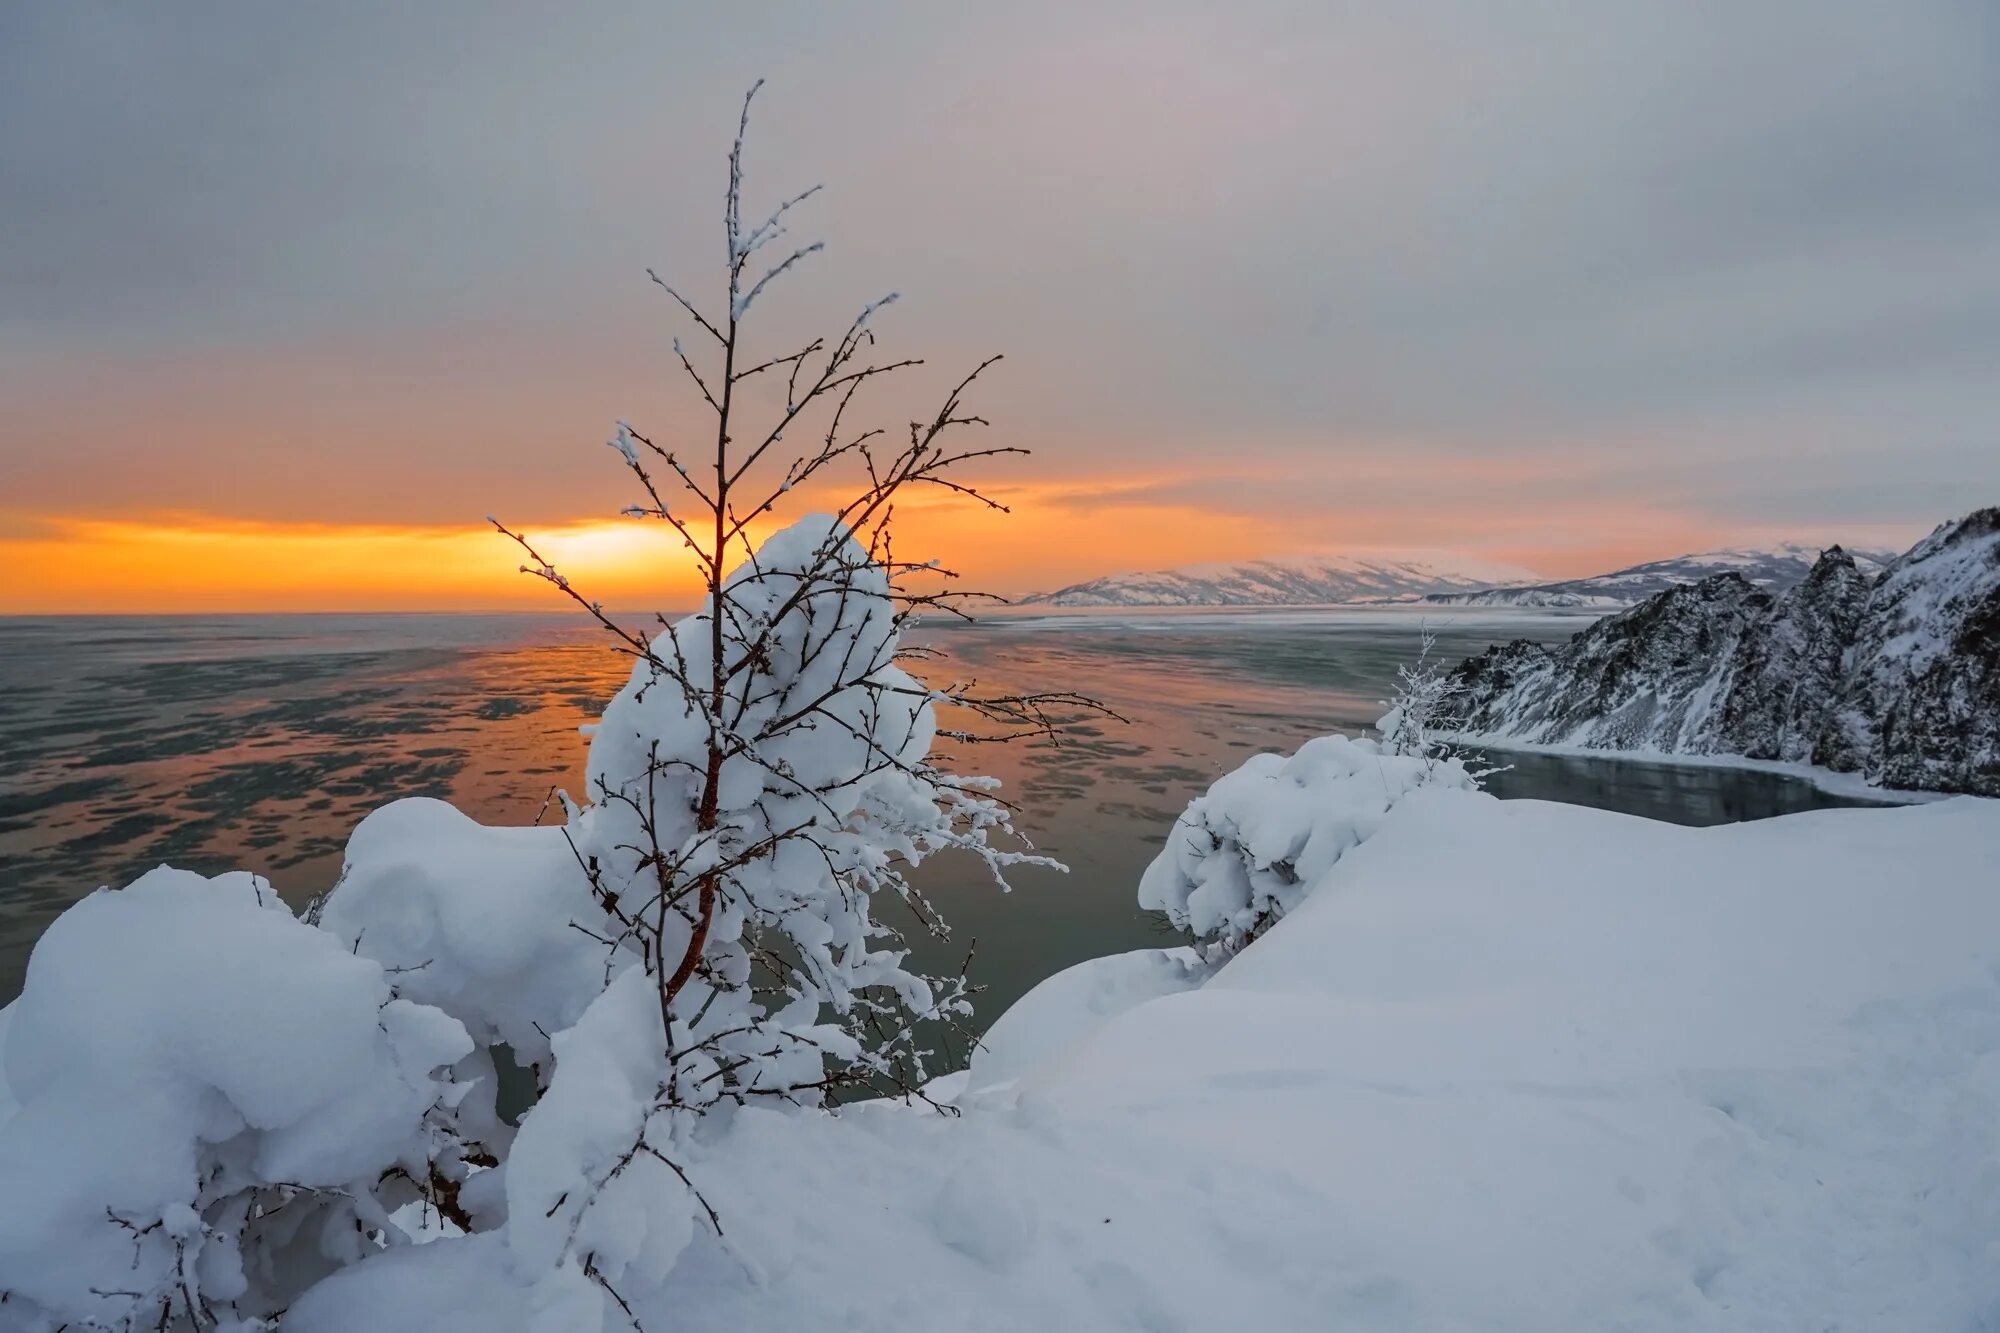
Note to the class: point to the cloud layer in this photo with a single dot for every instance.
(1556, 282)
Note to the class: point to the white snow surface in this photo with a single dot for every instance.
(182, 1046)
(1064, 1008)
(1506, 1066)
(460, 912)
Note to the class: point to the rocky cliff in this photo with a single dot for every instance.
(1894, 676)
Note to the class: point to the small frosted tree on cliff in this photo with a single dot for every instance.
(1423, 708)
(763, 781)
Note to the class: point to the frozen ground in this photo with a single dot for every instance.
(1511, 1066)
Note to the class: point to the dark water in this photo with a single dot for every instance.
(257, 743)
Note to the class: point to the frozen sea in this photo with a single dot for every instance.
(256, 742)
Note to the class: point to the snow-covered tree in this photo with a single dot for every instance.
(262, 1100)
(757, 790)
(1421, 707)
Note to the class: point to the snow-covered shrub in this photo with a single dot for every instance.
(738, 854)
(1252, 848)
(217, 1105)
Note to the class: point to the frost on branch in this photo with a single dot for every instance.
(217, 1106)
(1249, 851)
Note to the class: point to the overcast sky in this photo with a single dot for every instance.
(1554, 282)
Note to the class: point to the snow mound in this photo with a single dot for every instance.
(1513, 1066)
(1055, 1013)
(581, 1198)
(208, 1093)
(471, 919)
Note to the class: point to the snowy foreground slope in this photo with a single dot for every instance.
(1507, 1066)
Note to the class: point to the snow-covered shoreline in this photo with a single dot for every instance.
(1894, 675)
(1850, 786)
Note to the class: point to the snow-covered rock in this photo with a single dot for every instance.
(1771, 568)
(1644, 679)
(1919, 701)
(1313, 580)
(1895, 678)
(1783, 681)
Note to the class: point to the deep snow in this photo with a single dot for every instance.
(1509, 1066)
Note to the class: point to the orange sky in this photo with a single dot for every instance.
(188, 561)
(1271, 279)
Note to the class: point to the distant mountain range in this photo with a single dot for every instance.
(1772, 568)
(1444, 580)
(1313, 580)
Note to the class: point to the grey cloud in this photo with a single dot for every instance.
(1203, 232)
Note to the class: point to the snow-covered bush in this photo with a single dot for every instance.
(736, 855)
(217, 1105)
(1252, 848)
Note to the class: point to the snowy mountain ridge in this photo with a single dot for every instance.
(1438, 578)
(1773, 568)
(1893, 676)
(1299, 580)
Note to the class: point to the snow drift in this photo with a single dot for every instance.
(215, 1107)
(1507, 1066)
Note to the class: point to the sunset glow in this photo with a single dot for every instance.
(192, 563)
(1270, 282)
(1051, 535)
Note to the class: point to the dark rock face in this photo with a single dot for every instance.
(1920, 700)
(1785, 676)
(1895, 677)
